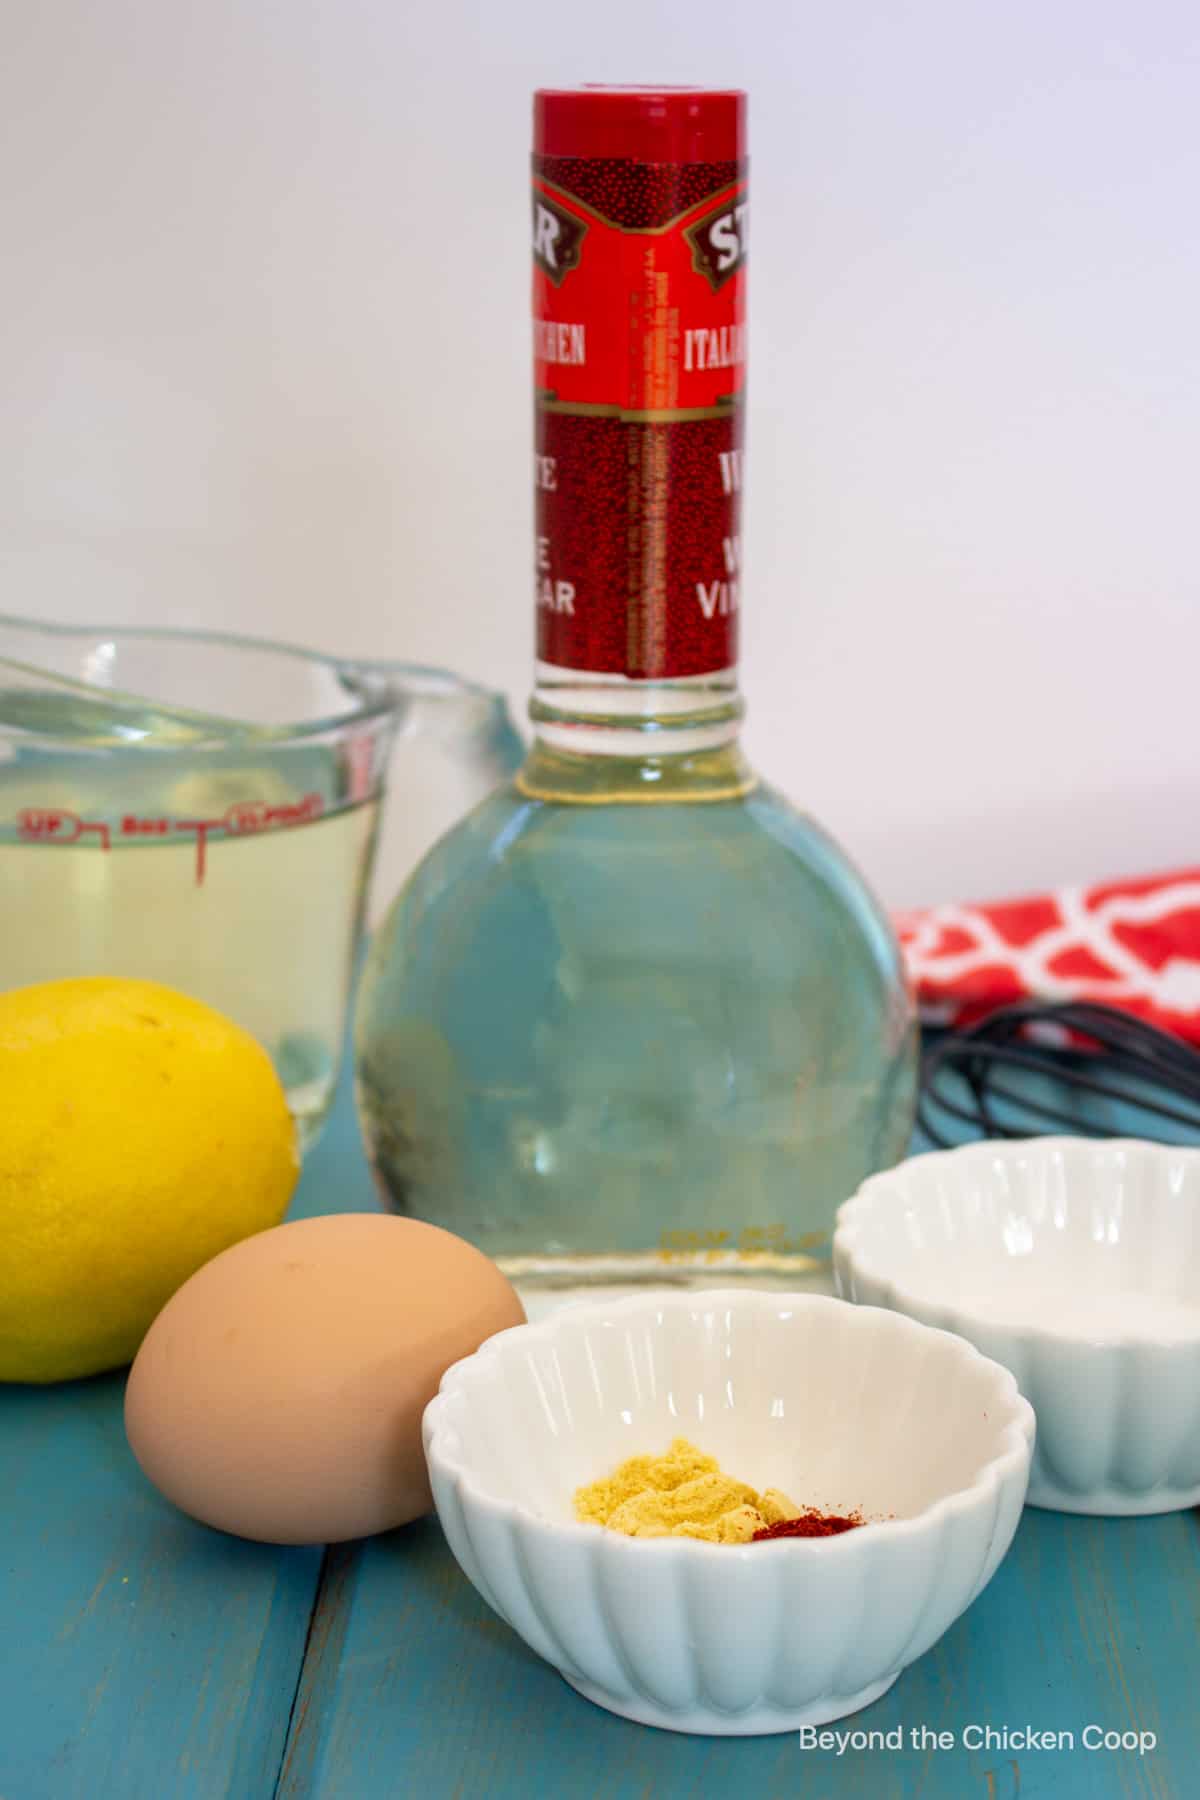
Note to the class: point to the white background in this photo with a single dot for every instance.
(264, 365)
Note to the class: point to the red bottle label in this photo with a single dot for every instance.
(639, 367)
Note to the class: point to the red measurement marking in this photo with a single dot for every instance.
(49, 825)
(201, 827)
(55, 825)
(246, 818)
(360, 765)
(249, 816)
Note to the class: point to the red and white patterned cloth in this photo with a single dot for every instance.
(1133, 944)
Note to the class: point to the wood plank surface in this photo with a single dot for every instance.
(142, 1657)
(412, 1687)
(145, 1658)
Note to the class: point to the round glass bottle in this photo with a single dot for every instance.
(636, 1018)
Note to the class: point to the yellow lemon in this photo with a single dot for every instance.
(140, 1133)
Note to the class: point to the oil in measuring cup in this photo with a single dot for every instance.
(200, 809)
(235, 875)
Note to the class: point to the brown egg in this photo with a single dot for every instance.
(279, 1392)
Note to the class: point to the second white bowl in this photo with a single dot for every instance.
(1076, 1263)
(841, 1407)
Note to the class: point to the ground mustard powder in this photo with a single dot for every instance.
(681, 1494)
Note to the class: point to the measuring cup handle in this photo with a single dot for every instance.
(472, 731)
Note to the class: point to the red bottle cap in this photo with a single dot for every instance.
(641, 124)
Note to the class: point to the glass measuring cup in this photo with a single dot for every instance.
(202, 810)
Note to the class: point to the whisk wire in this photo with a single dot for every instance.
(1098, 1052)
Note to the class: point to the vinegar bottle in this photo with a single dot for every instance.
(636, 1017)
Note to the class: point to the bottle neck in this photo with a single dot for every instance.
(639, 364)
(611, 715)
(605, 738)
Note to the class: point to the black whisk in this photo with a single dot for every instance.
(1059, 1066)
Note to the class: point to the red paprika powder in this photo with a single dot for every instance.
(809, 1525)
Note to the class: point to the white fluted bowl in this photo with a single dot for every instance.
(841, 1407)
(1076, 1263)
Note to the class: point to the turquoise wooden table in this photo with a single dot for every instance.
(145, 1658)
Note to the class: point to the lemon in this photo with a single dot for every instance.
(140, 1133)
